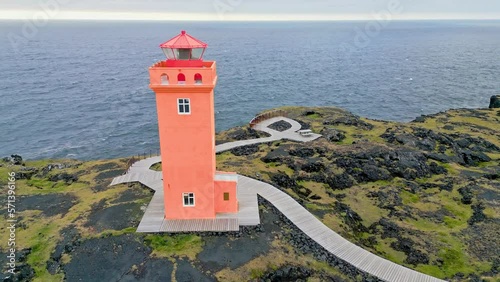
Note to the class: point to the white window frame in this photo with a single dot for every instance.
(181, 102)
(189, 195)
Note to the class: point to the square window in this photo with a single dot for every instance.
(226, 196)
(188, 199)
(184, 106)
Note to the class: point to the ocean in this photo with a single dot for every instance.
(75, 89)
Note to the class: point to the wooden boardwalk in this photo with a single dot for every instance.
(200, 225)
(333, 242)
(248, 214)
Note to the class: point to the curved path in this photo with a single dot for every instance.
(303, 219)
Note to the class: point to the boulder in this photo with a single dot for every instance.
(495, 101)
(245, 150)
(340, 181)
(332, 135)
(283, 180)
(66, 177)
(313, 167)
(16, 159)
(280, 126)
(302, 152)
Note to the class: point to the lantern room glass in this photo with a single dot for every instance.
(169, 53)
(182, 54)
(197, 53)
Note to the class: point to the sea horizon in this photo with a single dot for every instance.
(94, 102)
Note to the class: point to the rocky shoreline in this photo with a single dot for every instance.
(383, 185)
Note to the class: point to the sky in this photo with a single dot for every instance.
(249, 9)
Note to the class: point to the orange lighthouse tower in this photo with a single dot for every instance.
(184, 87)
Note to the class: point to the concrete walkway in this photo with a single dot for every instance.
(289, 134)
(303, 219)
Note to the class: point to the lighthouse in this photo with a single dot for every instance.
(184, 87)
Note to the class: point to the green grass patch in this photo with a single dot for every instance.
(256, 273)
(409, 198)
(453, 223)
(42, 244)
(156, 167)
(384, 248)
(181, 245)
(46, 184)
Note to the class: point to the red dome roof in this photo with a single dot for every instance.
(184, 41)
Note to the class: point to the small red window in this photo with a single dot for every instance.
(181, 78)
(197, 78)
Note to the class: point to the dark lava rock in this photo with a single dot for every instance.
(49, 204)
(389, 199)
(421, 138)
(106, 166)
(333, 135)
(315, 197)
(373, 173)
(413, 256)
(389, 228)
(400, 162)
(22, 272)
(26, 173)
(350, 217)
(350, 120)
(219, 252)
(280, 126)
(303, 124)
(420, 119)
(246, 133)
(473, 158)
(50, 167)
(311, 113)
(447, 186)
(494, 102)
(104, 218)
(109, 174)
(440, 157)
(449, 127)
(492, 176)
(16, 159)
(287, 273)
(278, 155)
(188, 273)
(313, 166)
(283, 180)
(303, 191)
(106, 259)
(478, 214)
(70, 239)
(153, 269)
(136, 192)
(436, 169)
(340, 181)
(467, 195)
(66, 177)
(302, 152)
(245, 150)
(483, 241)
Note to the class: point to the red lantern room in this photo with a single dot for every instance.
(184, 51)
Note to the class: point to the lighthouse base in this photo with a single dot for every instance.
(200, 225)
(154, 220)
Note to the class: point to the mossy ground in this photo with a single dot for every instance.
(435, 220)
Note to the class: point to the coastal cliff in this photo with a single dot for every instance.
(423, 194)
